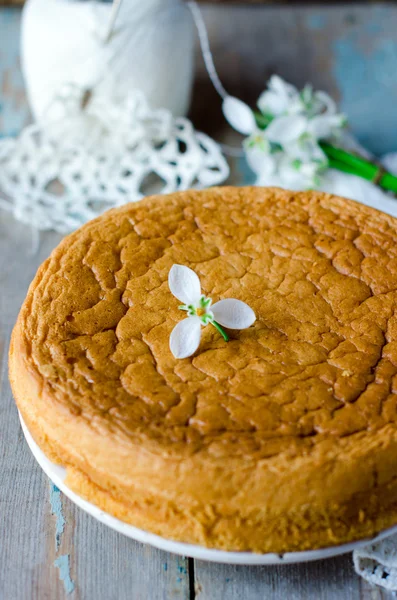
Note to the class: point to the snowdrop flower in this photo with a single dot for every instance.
(185, 337)
(293, 128)
(282, 98)
(260, 157)
(279, 97)
(285, 149)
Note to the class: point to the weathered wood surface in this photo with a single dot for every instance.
(102, 564)
(14, 112)
(99, 563)
(331, 579)
(20, 2)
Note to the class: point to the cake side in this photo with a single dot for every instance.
(300, 451)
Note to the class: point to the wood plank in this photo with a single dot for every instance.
(14, 112)
(21, 2)
(23, 496)
(102, 564)
(332, 579)
(369, 592)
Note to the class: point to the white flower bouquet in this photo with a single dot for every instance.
(295, 137)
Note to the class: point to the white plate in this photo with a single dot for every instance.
(57, 475)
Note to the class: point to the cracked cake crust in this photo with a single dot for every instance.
(282, 439)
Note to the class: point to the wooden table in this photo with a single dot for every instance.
(51, 550)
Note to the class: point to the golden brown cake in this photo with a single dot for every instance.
(283, 438)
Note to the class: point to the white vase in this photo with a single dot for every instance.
(151, 49)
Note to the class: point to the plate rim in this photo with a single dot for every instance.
(57, 475)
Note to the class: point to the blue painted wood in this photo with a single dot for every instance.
(63, 564)
(14, 112)
(364, 66)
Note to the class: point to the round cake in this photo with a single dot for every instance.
(282, 438)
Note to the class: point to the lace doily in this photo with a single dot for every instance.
(377, 563)
(89, 155)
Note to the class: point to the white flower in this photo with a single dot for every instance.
(282, 98)
(259, 153)
(298, 174)
(287, 151)
(291, 128)
(278, 97)
(239, 115)
(231, 313)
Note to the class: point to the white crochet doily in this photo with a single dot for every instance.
(81, 160)
(377, 563)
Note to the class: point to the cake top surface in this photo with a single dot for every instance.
(320, 272)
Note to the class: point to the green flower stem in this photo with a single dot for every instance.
(388, 182)
(221, 330)
(262, 120)
(360, 164)
(348, 163)
(341, 166)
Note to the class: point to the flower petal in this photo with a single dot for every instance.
(286, 129)
(324, 126)
(328, 104)
(278, 98)
(297, 175)
(279, 85)
(184, 284)
(233, 314)
(185, 337)
(239, 115)
(260, 163)
(270, 103)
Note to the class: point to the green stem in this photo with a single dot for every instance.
(360, 164)
(221, 330)
(349, 163)
(341, 166)
(388, 182)
(262, 120)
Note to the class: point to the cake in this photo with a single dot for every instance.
(283, 438)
